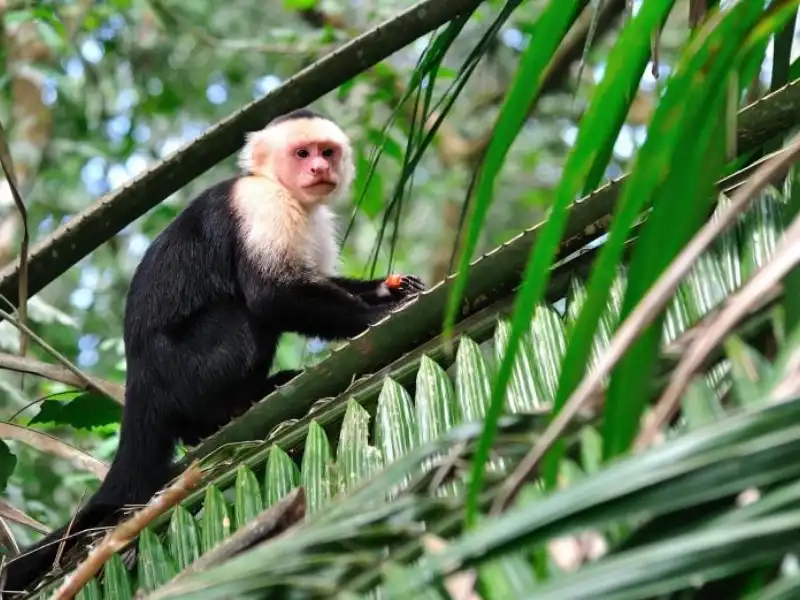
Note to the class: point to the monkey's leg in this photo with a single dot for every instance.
(251, 390)
(258, 387)
(212, 365)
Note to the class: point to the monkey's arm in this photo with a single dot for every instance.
(321, 309)
(381, 291)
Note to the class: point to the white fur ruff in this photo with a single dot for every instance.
(275, 228)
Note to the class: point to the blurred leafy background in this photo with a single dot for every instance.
(95, 93)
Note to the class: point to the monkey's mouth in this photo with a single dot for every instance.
(321, 185)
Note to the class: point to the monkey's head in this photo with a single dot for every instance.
(305, 153)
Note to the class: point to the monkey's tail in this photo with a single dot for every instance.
(141, 466)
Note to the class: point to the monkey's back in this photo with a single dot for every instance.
(188, 267)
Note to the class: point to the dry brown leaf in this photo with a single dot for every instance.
(57, 373)
(51, 445)
(90, 381)
(14, 514)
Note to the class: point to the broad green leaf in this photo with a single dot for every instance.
(281, 475)
(299, 4)
(317, 475)
(248, 496)
(395, 422)
(183, 539)
(523, 392)
(86, 411)
(473, 386)
(353, 452)
(388, 144)
(686, 187)
(749, 370)
(591, 450)
(52, 36)
(216, 522)
(660, 568)
(506, 577)
(116, 582)
(155, 566)
(395, 575)
(786, 588)
(437, 411)
(675, 178)
(369, 191)
(547, 334)
(782, 53)
(713, 462)
(791, 282)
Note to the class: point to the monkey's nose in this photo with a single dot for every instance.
(319, 168)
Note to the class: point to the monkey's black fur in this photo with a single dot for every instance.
(202, 323)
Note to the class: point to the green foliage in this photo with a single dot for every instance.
(415, 435)
(85, 410)
(610, 96)
(390, 455)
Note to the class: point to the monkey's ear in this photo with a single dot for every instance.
(255, 152)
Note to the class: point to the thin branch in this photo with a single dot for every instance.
(12, 513)
(7, 539)
(60, 374)
(121, 536)
(107, 216)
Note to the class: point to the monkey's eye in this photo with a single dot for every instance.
(327, 153)
(302, 153)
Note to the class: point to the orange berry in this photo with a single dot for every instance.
(394, 281)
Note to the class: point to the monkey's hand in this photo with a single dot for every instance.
(404, 286)
(393, 290)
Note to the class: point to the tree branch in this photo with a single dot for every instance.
(107, 216)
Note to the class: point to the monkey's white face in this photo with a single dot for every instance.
(310, 158)
(310, 170)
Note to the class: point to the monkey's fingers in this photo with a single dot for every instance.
(405, 284)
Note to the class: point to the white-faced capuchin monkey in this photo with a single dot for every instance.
(247, 260)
